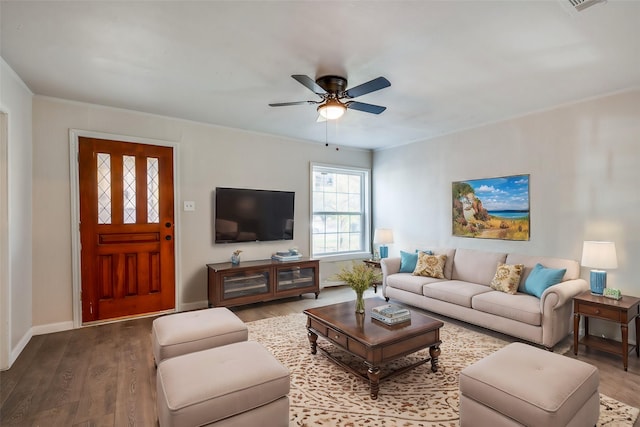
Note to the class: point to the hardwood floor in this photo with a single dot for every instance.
(105, 376)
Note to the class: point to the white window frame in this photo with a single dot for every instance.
(366, 213)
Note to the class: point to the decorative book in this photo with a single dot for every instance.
(277, 257)
(390, 320)
(390, 314)
(390, 310)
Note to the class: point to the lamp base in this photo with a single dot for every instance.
(598, 279)
(384, 251)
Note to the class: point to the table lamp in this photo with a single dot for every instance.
(599, 256)
(383, 236)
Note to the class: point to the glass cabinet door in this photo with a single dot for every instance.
(295, 278)
(245, 283)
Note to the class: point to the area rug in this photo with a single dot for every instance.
(324, 394)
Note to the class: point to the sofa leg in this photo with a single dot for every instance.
(549, 349)
(386, 299)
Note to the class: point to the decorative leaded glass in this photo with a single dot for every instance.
(129, 188)
(153, 191)
(104, 188)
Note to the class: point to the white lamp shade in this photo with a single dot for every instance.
(600, 255)
(383, 236)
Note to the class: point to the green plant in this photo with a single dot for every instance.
(359, 276)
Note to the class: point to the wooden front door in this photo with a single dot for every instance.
(126, 228)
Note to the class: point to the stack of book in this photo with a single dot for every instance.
(286, 256)
(390, 314)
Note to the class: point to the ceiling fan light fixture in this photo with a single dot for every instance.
(332, 109)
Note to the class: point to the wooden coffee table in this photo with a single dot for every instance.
(373, 341)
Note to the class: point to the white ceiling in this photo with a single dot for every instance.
(452, 64)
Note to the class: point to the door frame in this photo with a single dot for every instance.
(6, 359)
(74, 137)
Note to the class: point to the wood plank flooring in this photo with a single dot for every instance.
(105, 376)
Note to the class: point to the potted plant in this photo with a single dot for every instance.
(359, 277)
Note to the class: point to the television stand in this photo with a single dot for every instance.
(264, 280)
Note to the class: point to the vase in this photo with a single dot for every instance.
(235, 259)
(359, 302)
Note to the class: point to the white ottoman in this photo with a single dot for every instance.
(524, 385)
(183, 333)
(238, 385)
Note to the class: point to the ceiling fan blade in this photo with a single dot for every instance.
(370, 86)
(309, 83)
(367, 108)
(284, 104)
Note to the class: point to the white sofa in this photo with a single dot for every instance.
(465, 294)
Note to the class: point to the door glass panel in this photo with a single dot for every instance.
(104, 188)
(129, 188)
(153, 192)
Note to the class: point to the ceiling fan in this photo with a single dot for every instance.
(335, 97)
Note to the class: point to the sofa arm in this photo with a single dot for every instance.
(556, 307)
(558, 294)
(388, 266)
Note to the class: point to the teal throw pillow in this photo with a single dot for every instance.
(408, 262)
(541, 278)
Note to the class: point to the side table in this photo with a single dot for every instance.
(621, 311)
(373, 263)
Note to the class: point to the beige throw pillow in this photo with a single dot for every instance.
(430, 265)
(507, 278)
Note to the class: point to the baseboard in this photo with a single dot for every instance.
(330, 283)
(50, 328)
(15, 352)
(188, 306)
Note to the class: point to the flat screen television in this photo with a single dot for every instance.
(246, 215)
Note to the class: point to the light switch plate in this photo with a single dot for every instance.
(189, 206)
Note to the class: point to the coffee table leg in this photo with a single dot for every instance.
(374, 381)
(434, 352)
(313, 338)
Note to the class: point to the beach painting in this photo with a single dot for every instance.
(492, 208)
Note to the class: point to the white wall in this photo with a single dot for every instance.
(208, 156)
(15, 203)
(584, 166)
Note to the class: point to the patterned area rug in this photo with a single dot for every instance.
(324, 394)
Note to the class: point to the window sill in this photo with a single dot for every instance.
(344, 257)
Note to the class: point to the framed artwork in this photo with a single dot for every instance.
(491, 208)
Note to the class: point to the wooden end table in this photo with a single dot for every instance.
(373, 341)
(621, 311)
(374, 263)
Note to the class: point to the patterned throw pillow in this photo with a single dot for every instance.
(507, 278)
(430, 265)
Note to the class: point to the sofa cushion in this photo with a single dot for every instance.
(409, 282)
(454, 291)
(529, 261)
(541, 278)
(520, 307)
(476, 266)
(430, 265)
(507, 278)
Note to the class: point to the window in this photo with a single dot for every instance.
(339, 211)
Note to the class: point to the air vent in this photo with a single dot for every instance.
(580, 5)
